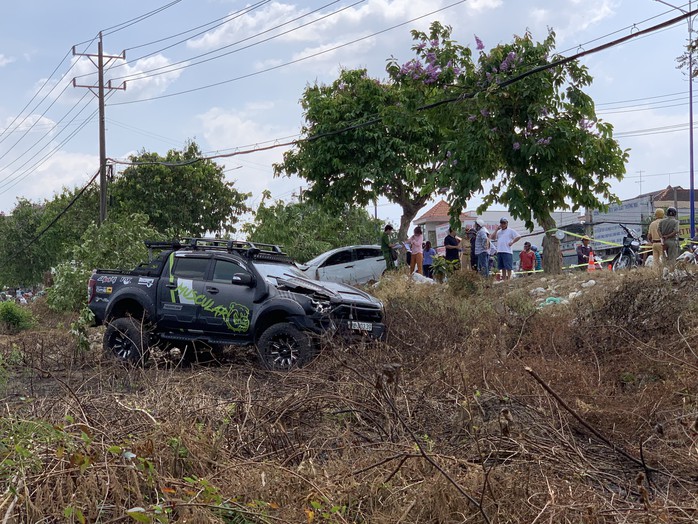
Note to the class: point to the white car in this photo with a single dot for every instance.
(350, 265)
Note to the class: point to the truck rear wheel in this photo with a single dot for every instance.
(283, 347)
(127, 341)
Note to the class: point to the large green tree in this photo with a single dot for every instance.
(363, 139)
(306, 229)
(179, 192)
(22, 263)
(522, 130)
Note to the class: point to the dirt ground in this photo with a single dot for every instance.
(542, 399)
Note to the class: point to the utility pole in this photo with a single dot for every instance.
(640, 181)
(100, 87)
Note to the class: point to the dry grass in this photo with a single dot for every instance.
(441, 424)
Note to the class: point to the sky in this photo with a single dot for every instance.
(229, 75)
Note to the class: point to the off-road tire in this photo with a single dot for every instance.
(283, 347)
(128, 341)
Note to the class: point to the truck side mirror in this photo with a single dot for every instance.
(243, 279)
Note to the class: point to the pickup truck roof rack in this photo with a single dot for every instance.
(243, 247)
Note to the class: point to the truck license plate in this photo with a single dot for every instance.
(361, 326)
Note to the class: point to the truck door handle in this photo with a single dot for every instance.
(212, 290)
(348, 267)
(171, 286)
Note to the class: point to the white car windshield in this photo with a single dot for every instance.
(270, 270)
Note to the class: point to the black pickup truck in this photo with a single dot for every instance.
(225, 292)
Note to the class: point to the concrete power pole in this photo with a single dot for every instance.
(100, 87)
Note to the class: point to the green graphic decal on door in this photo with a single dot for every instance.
(236, 316)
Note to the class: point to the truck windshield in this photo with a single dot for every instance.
(271, 270)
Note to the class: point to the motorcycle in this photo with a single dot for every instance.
(629, 256)
(690, 254)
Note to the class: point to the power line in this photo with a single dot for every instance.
(123, 25)
(188, 62)
(43, 99)
(302, 59)
(505, 83)
(622, 29)
(641, 99)
(63, 212)
(12, 181)
(32, 99)
(227, 19)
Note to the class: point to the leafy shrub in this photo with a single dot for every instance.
(14, 318)
(118, 243)
(465, 283)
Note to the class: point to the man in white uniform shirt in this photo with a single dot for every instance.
(505, 237)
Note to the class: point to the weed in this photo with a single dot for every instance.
(14, 318)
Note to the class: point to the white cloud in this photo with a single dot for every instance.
(144, 78)
(63, 169)
(226, 129)
(4, 60)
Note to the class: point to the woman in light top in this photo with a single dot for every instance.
(416, 241)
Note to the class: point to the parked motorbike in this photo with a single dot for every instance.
(629, 256)
(690, 254)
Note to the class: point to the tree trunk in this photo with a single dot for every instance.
(409, 212)
(552, 256)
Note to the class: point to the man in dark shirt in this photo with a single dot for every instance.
(452, 245)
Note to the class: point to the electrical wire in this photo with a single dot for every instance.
(6, 129)
(622, 29)
(123, 25)
(16, 177)
(503, 84)
(302, 59)
(170, 68)
(47, 137)
(64, 211)
(224, 19)
(43, 99)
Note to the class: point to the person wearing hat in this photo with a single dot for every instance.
(583, 253)
(655, 238)
(387, 246)
(669, 231)
(505, 238)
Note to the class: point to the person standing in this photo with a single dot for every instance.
(452, 245)
(429, 254)
(655, 237)
(583, 253)
(416, 242)
(539, 258)
(387, 246)
(505, 238)
(669, 231)
(472, 234)
(482, 248)
(527, 259)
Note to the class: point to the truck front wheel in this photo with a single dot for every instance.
(283, 347)
(127, 341)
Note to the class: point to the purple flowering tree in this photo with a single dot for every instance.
(536, 141)
(400, 154)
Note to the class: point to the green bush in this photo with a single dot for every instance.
(117, 244)
(14, 318)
